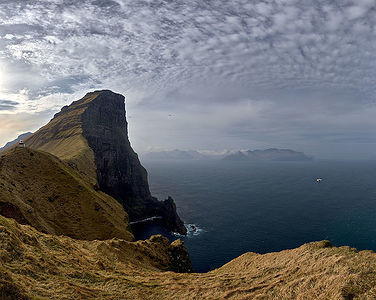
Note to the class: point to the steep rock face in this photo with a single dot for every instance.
(119, 171)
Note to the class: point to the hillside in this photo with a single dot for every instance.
(34, 265)
(91, 136)
(38, 189)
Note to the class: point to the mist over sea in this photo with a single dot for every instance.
(264, 207)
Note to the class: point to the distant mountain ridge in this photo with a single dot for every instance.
(15, 141)
(271, 154)
(174, 155)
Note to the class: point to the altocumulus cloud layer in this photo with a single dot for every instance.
(199, 74)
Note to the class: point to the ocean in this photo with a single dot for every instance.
(262, 207)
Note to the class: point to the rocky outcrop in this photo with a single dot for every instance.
(180, 262)
(167, 210)
(178, 257)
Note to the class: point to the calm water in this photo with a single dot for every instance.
(263, 207)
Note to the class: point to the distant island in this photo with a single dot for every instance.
(174, 155)
(271, 154)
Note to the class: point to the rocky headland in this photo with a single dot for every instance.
(91, 135)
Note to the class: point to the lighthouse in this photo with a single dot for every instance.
(21, 144)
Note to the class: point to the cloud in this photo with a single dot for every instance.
(172, 55)
(7, 105)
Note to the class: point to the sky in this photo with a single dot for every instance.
(199, 74)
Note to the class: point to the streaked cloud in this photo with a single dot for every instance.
(273, 73)
(8, 105)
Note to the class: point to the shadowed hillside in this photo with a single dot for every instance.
(38, 189)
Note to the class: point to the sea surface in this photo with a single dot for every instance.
(263, 207)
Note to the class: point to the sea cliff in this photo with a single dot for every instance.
(91, 135)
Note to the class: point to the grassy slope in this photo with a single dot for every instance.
(62, 137)
(37, 188)
(41, 266)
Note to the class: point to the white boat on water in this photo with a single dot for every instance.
(319, 179)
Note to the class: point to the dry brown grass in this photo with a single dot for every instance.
(38, 189)
(62, 137)
(43, 266)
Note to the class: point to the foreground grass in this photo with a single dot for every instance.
(38, 189)
(34, 265)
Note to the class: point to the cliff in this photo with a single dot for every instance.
(91, 136)
(34, 265)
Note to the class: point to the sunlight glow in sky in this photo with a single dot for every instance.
(200, 74)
